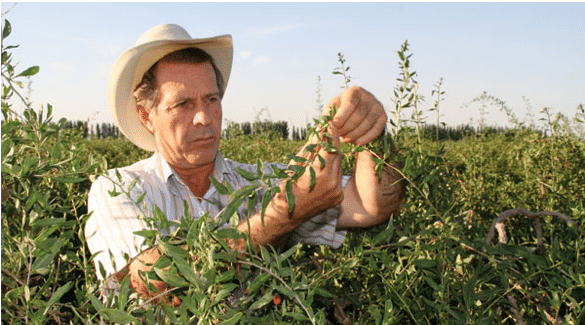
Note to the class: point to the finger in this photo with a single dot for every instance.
(371, 134)
(348, 103)
(367, 129)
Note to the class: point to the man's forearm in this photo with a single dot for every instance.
(277, 222)
(369, 199)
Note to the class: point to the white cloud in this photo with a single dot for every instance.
(245, 54)
(263, 59)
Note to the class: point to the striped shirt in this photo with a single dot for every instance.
(110, 229)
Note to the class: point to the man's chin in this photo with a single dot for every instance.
(201, 158)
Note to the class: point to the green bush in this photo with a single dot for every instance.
(430, 264)
(46, 269)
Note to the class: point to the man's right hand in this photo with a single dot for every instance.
(143, 263)
(327, 190)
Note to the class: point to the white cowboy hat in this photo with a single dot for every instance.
(132, 64)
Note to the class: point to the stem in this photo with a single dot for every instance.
(14, 277)
(311, 317)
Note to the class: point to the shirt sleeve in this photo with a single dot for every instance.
(109, 231)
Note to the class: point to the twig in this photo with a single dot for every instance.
(276, 276)
(14, 277)
(503, 238)
(512, 301)
(9, 9)
(499, 223)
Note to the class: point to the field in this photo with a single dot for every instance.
(439, 261)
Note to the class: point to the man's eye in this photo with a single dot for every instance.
(182, 104)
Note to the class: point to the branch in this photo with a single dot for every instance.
(499, 223)
(14, 277)
(276, 276)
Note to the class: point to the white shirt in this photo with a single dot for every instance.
(114, 219)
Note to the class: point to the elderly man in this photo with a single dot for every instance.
(165, 96)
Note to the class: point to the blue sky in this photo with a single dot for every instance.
(510, 50)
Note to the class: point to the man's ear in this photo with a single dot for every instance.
(144, 117)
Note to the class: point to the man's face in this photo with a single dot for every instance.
(187, 121)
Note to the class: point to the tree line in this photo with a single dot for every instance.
(274, 130)
(281, 130)
(99, 131)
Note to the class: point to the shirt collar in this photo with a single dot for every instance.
(220, 168)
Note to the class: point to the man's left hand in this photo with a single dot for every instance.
(360, 117)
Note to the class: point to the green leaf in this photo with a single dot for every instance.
(324, 293)
(251, 204)
(297, 169)
(123, 292)
(29, 72)
(223, 293)
(42, 223)
(233, 320)
(146, 233)
(265, 255)
(288, 253)
(258, 282)
(245, 191)
(313, 176)
(321, 161)
(290, 198)
(187, 272)
(286, 291)
(173, 280)
(279, 172)
(231, 209)
(247, 175)
(425, 263)
(57, 295)
(263, 301)
(220, 188)
(7, 30)
(41, 264)
(72, 180)
(310, 148)
(297, 159)
(172, 250)
(117, 316)
(96, 303)
(265, 202)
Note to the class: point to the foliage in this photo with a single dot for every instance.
(46, 269)
(430, 264)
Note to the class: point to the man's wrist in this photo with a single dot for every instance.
(383, 146)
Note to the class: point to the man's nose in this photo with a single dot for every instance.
(202, 115)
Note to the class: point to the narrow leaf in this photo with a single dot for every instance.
(247, 175)
(220, 188)
(233, 320)
(290, 198)
(117, 316)
(29, 72)
(57, 295)
(6, 31)
(313, 177)
(265, 201)
(263, 301)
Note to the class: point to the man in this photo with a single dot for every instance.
(165, 96)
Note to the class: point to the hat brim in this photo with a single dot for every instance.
(130, 68)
